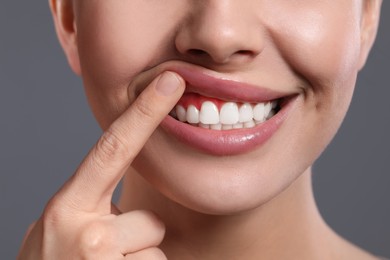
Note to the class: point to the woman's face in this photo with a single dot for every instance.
(303, 55)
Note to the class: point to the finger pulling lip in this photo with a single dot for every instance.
(208, 83)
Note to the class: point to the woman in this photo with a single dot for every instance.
(255, 90)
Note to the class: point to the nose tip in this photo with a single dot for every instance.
(219, 34)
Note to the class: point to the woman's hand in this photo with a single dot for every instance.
(80, 222)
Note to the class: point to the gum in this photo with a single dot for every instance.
(197, 101)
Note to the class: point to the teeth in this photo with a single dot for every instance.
(206, 126)
(216, 127)
(192, 115)
(238, 126)
(258, 112)
(249, 124)
(209, 113)
(181, 113)
(229, 114)
(267, 109)
(227, 127)
(245, 113)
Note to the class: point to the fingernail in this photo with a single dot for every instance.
(168, 83)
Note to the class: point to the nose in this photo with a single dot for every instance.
(220, 31)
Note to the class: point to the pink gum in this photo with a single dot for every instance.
(197, 101)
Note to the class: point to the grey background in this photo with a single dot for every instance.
(46, 128)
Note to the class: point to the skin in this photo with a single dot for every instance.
(247, 206)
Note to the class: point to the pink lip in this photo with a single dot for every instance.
(211, 84)
(229, 142)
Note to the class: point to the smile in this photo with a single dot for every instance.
(216, 114)
(225, 117)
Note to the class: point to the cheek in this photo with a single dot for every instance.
(117, 40)
(321, 42)
(322, 47)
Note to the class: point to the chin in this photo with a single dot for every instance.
(215, 185)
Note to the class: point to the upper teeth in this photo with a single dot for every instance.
(231, 114)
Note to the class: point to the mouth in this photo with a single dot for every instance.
(217, 114)
(222, 117)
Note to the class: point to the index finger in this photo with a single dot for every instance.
(92, 186)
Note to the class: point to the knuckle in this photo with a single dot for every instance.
(109, 145)
(93, 238)
(143, 109)
(53, 213)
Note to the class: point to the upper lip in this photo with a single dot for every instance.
(210, 83)
(213, 84)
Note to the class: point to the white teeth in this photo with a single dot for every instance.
(249, 124)
(192, 115)
(229, 113)
(267, 109)
(258, 112)
(227, 127)
(209, 113)
(216, 127)
(245, 113)
(238, 126)
(206, 126)
(181, 113)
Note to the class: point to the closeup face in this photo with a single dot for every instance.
(281, 73)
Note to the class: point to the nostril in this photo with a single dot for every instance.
(239, 55)
(197, 52)
(245, 53)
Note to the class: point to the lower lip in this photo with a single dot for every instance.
(227, 142)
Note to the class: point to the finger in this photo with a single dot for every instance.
(137, 230)
(92, 185)
(152, 253)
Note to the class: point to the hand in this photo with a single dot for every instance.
(80, 222)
